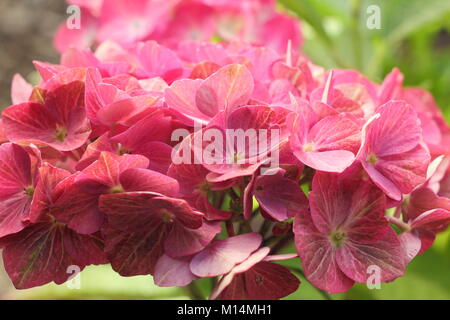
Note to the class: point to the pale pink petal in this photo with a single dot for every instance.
(222, 255)
(171, 272)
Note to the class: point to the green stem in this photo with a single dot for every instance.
(194, 292)
(405, 227)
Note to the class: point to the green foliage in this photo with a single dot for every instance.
(414, 36)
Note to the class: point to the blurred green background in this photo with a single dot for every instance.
(414, 36)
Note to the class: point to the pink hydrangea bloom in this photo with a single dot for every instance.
(164, 153)
(344, 233)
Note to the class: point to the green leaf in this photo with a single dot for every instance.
(307, 12)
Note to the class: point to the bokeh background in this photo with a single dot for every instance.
(414, 36)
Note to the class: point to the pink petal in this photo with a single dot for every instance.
(251, 261)
(184, 242)
(42, 253)
(436, 220)
(20, 89)
(223, 255)
(138, 179)
(61, 123)
(349, 205)
(158, 61)
(138, 224)
(355, 258)
(15, 176)
(408, 170)
(171, 272)
(181, 95)
(228, 88)
(280, 197)
(318, 257)
(411, 244)
(44, 195)
(396, 131)
(391, 87)
(265, 281)
(327, 161)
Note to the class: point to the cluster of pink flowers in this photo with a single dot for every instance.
(88, 177)
(167, 21)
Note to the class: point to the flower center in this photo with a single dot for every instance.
(309, 147)
(166, 216)
(29, 191)
(337, 238)
(117, 189)
(372, 158)
(61, 133)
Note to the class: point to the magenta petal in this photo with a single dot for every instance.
(158, 61)
(318, 257)
(42, 123)
(154, 127)
(77, 207)
(388, 187)
(122, 110)
(337, 132)
(270, 281)
(391, 87)
(264, 281)
(436, 220)
(327, 161)
(16, 175)
(222, 255)
(411, 244)
(134, 234)
(406, 170)
(397, 130)
(181, 97)
(228, 88)
(138, 225)
(280, 197)
(61, 123)
(107, 169)
(281, 257)
(45, 193)
(93, 150)
(246, 265)
(137, 179)
(20, 89)
(387, 254)
(42, 252)
(183, 241)
(424, 199)
(170, 272)
(159, 155)
(354, 206)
